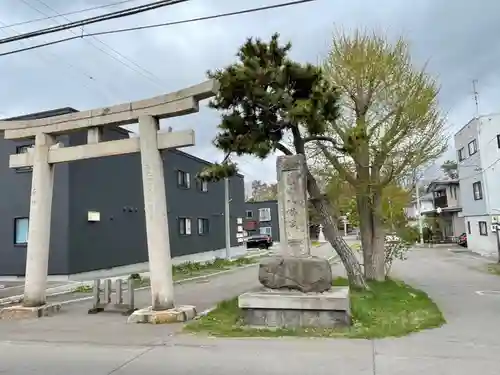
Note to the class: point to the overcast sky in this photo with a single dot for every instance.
(458, 39)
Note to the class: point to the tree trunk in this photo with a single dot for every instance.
(372, 235)
(331, 231)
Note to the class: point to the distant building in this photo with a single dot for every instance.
(426, 205)
(112, 188)
(262, 218)
(478, 153)
(445, 208)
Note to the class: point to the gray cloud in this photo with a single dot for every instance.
(457, 38)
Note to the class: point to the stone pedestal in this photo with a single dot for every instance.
(298, 287)
(293, 309)
(306, 274)
(23, 312)
(176, 315)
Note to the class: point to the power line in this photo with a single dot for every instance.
(67, 14)
(142, 71)
(87, 21)
(59, 59)
(116, 31)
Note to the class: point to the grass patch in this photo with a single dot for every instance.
(83, 289)
(191, 269)
(494, 268)
(315, 243)
(390, 308)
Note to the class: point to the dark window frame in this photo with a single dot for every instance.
(14, 237)
(461, 155)
(204, 186)
(182, 229)
(498, 140)
(477, 183)
(485, 232)
(206, 228)
(183, 179)
(251, 214)
(19, 151)
(468, 228)
(473, 142)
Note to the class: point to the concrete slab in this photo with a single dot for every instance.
(179, 314)
(22, 312)
(337, 298)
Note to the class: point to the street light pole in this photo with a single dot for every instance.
(227, 218)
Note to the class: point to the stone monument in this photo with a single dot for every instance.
(297, 287)
(321, 235)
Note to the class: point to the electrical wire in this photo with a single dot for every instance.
(59, 59)
(67, 14)
(139, 69)
(165, 24)
(87, 21)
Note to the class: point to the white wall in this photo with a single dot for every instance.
(490, 161)
(484, 245)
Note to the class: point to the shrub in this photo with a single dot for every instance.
(395, 248)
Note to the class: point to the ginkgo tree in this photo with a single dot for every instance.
(389, 124)
(266, 97)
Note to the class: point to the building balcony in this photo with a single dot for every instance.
(441, 202)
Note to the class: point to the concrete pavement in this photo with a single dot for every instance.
(76, 343)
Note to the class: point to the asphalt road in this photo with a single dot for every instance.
(75, 343)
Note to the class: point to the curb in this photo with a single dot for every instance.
(71, 287)
(178, 282)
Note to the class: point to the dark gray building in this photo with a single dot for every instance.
(262, 218)
(111, 186)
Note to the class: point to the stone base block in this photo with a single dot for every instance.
(176, 315)
(306, 274)
(293, 309)
(22, 312)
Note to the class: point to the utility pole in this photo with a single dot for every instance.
(476, 96)
(227, 218)
(419, 209)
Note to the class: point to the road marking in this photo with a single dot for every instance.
(488, 292)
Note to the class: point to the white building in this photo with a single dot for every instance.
(478, 154)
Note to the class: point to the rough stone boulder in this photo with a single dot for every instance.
(307, 274)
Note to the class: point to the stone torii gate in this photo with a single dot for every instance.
(46, 152)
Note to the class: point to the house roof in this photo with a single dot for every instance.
(440, 184)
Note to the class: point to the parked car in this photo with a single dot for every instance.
(462, 240)
(261, 241)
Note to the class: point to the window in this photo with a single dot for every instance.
(483, 228)
(439, 194)
(266, 230)
(461, 155)
(498, 140)
(204, 186)
(478, 191)
(468, 227)
(184, 226)
(23, 150)
(264, 214)
(472, 147)
(183, 180)
(203, 226)
(21, 226)
(249, 214)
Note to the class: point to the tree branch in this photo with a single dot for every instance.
(283, 149)
(336, 164)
